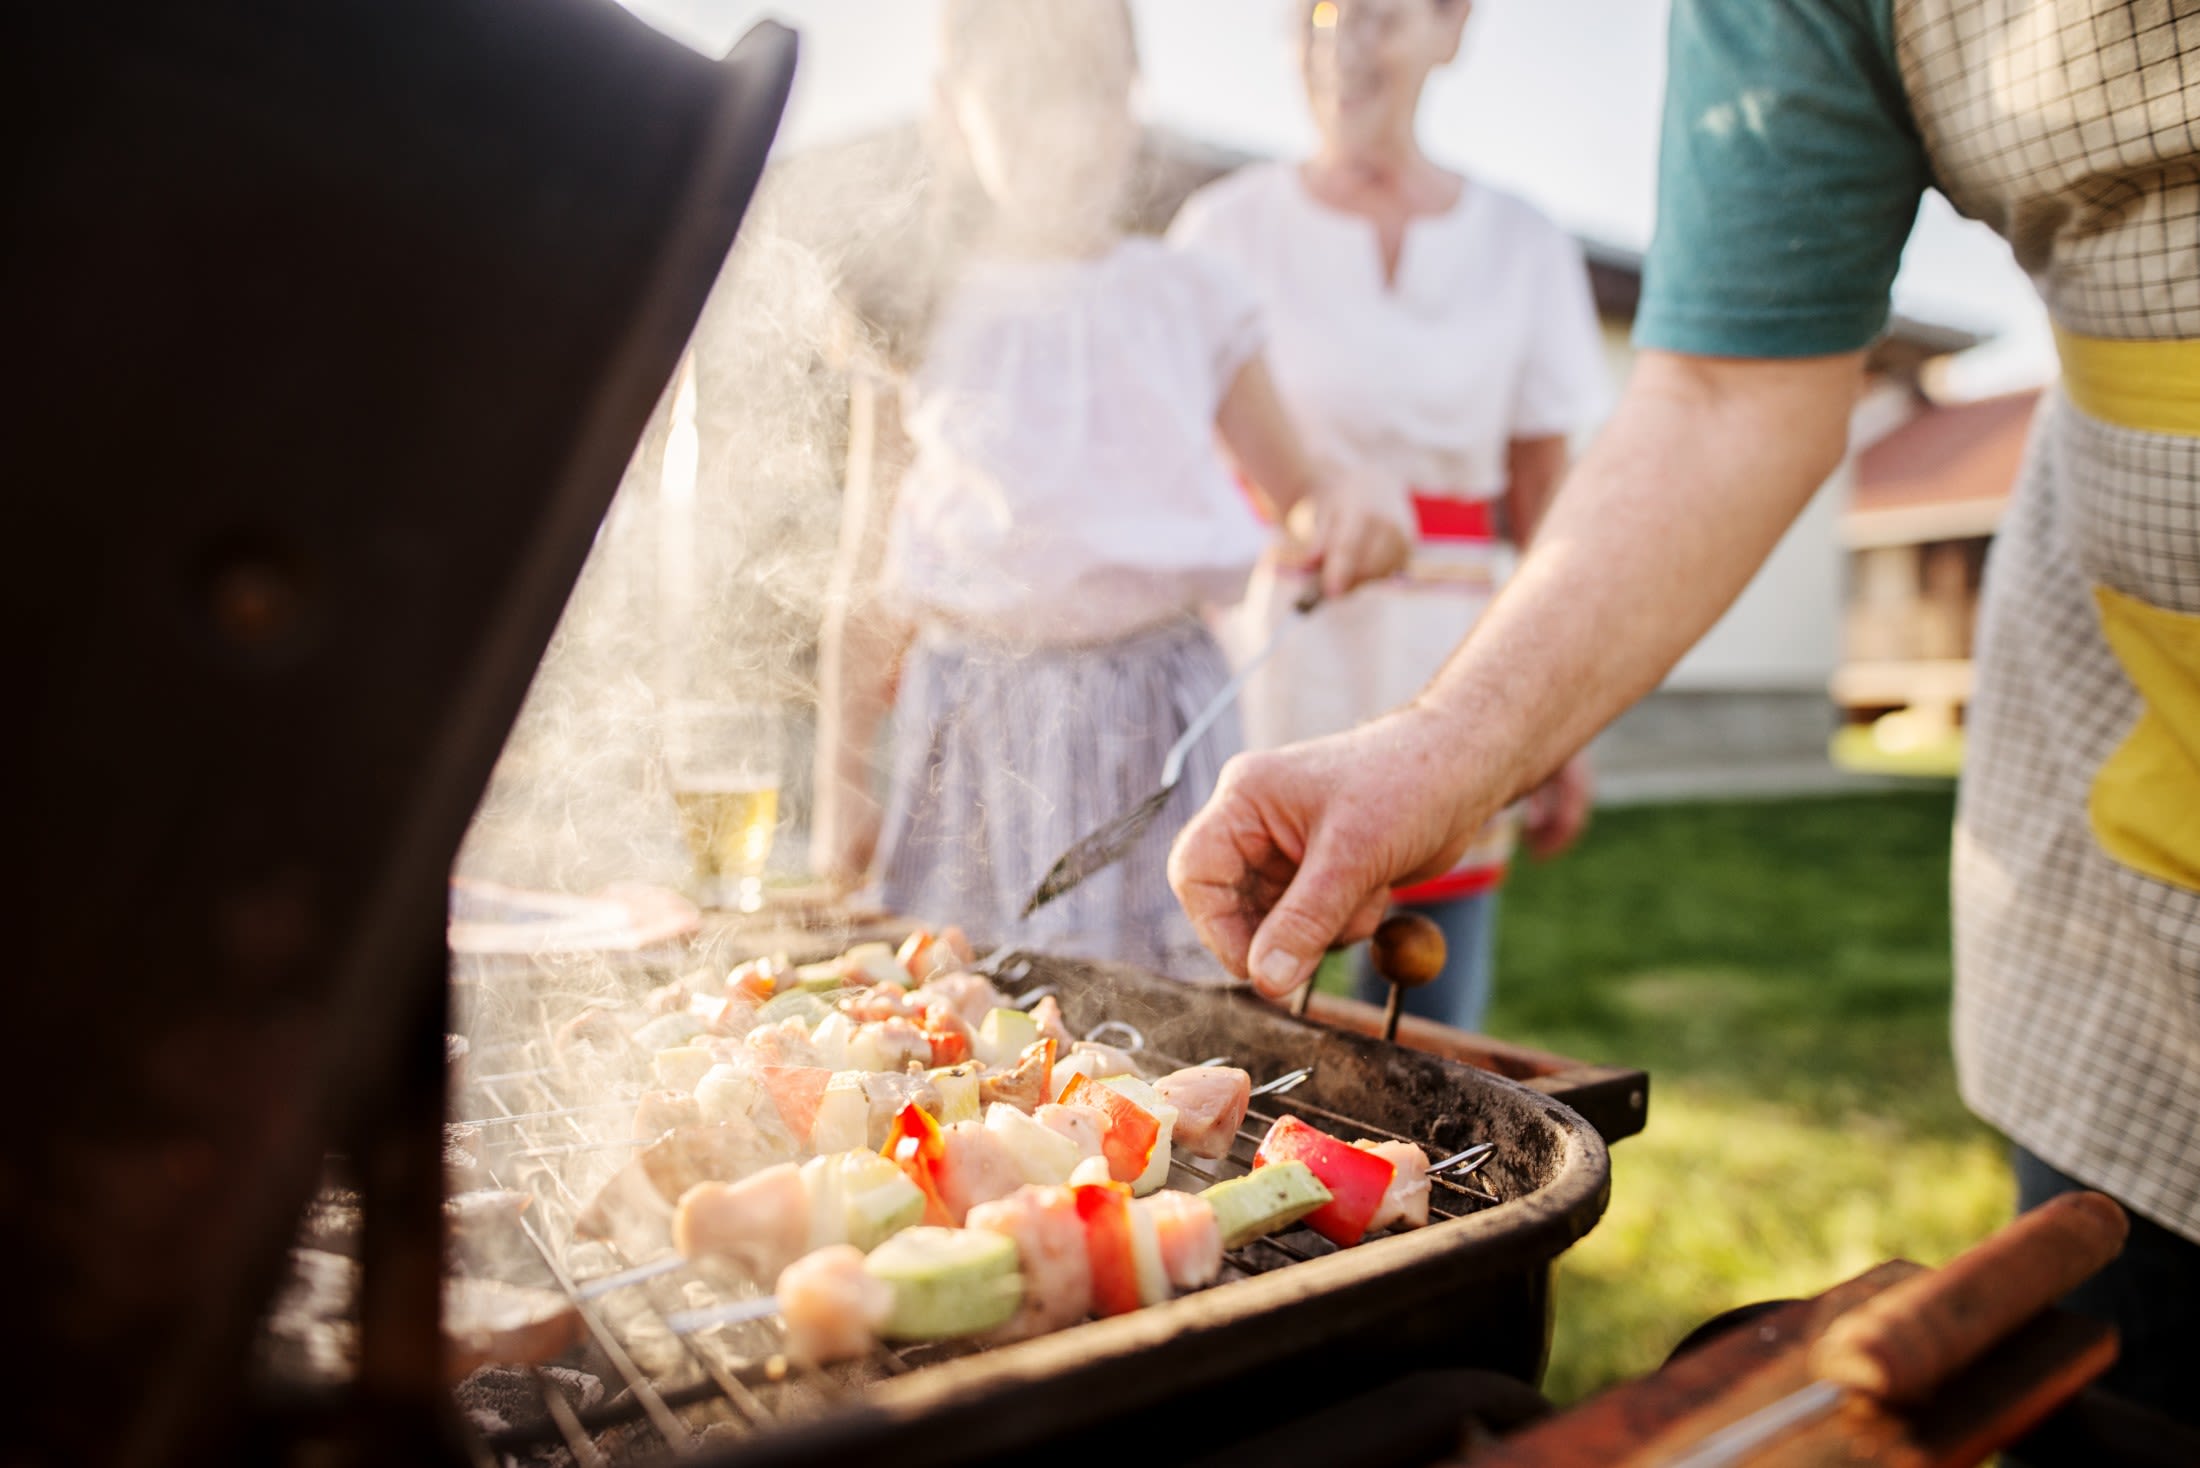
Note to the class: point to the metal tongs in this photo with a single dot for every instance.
(1106, 846)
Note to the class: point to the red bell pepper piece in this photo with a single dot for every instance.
(796, 1090)
(1356, 1178)
(949, 1046)
(950, 1037)
(915, 1146)
(911, 948)
(752, 980)
(1132, 1129)
(1105, 1209)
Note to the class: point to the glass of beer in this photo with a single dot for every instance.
(725, 763)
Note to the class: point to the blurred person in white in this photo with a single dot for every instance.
(1064, 518)
(1427, 330)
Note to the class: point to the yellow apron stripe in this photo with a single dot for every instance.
(2150, 386)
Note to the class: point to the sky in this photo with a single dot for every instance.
(1556, 100)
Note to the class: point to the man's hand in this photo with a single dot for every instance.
(1686, 490)
(1299, 847)
(1558, 809)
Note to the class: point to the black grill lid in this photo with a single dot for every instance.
(334, 324)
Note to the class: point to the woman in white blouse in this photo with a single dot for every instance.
(1429, 329)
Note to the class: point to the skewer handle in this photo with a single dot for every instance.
(1900, 1345)
(1408, 950)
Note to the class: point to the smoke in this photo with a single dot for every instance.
(706, 582)
(710, 575)
(709, 580)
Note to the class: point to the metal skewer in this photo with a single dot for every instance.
(569, 1149)
(512, 1075)
(1103, 848)
(604, 1284)
(550, 1115)
(1467, 1163)
(687, 1322)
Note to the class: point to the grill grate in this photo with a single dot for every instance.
(736, 1380)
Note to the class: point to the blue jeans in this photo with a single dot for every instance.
(1461, 993)
(2151, 1294)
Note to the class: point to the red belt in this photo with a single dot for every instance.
(1436, 516)
(1440, 517)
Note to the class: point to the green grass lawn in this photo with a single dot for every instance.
(1781, 969)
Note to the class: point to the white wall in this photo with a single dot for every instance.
(1783, 634)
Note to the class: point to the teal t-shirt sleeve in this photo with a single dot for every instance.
(1789, 174)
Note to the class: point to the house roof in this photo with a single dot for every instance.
(1943, 475)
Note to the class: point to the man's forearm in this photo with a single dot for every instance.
(1682, 496)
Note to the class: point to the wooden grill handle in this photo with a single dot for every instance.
(1900, 1345)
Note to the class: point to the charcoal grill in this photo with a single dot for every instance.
(1293, 1320)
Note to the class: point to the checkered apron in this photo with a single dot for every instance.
(2074, 129)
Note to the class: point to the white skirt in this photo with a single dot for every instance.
(1002, 761)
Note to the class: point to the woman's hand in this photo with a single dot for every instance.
(1359, 534)
(1558, 809)
(1351, 530)
(1300, 846)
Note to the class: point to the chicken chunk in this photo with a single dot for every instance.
(1191, 1239)
(1048, 1015)
(633, 1208)
(594, 1034)
(1405, 1201)
(784, 1043)
(957, 943)
(757, 1226)
(833, 1306)
(1108, 1061)
(878, 1002)
(688, 1155)
(627, 1212)
(659, 1112)
(1024, 1084)
(1210, 1103)
(724, 1014)
(889, 1045)
(978, 1168)
(971, 996)
(485, 1321)
(1050, 1248)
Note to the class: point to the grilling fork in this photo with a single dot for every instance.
(1106, 846)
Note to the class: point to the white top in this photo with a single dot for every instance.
(1489, 333)
(1066, 486)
